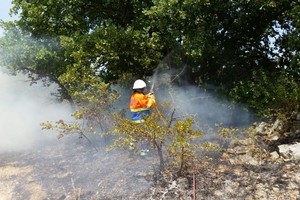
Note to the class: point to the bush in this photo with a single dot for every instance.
(269, 94)
(161, 134)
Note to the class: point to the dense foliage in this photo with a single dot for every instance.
(240, 46)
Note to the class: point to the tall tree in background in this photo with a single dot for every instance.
(225, 39)
(111, 33)
(225, 43)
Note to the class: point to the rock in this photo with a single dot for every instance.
(231, 187)
(297, 177)
(284, 151)
(261, 128)
(294, 188)
(244, 159)
(246, 142)
(274, 155)
(218, 193)
(295, 149)
(277, 126)
(183, 183)
(249, 197)
(274, 136)
(261, 192)
(291, 152)
(238, 150)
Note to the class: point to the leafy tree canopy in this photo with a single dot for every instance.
(224, 43)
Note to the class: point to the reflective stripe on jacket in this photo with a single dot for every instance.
(140, 105)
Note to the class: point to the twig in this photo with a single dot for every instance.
(171, 118)
(82, 134)
(161, 116)
(195, 98)
(194, 183)
(172, 97)
(74, 188)
(177, 75)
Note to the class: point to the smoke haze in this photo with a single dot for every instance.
(207, 108)
(23, 108)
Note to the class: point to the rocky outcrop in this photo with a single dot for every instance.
(264, 166)
(282, 139)
(219, 179)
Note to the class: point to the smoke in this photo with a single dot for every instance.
(22, 109)
(203, 104)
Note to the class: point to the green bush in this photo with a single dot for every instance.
(269, 94)
(173, 142)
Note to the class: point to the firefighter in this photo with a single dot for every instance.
(140, 106)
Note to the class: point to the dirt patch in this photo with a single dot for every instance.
(73, 169)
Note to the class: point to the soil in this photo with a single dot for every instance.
(73, 169)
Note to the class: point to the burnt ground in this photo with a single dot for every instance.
(73, 169)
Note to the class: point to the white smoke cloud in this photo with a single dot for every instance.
(207, 108)
(22, 109)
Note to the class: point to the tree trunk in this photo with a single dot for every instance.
(160, 155)
(64, 93)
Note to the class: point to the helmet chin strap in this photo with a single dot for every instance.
(140, 90)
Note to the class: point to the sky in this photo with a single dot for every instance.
(4, 12)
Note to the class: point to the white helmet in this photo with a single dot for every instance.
(139, 84)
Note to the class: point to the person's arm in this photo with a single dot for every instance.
(150, 100)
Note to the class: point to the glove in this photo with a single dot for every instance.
(151, 95)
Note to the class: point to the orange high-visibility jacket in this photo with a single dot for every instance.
(140, 105)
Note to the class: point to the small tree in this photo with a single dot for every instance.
(94, 104)
(153, 130)
(181, 149)
(172, 142)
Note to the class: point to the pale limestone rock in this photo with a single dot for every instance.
(292, 186)
(291, 152)
(261, 128)
(183, 183)
(295, 149)
(249, 197)
(239, 150)
(261, 191)
(277, 126)
(297, 177)
(244, 159)
(274, 155)
(231, 187)
(284, 151)
(218, 193)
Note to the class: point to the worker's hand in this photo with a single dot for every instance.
(151, 92)
(151, 95)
